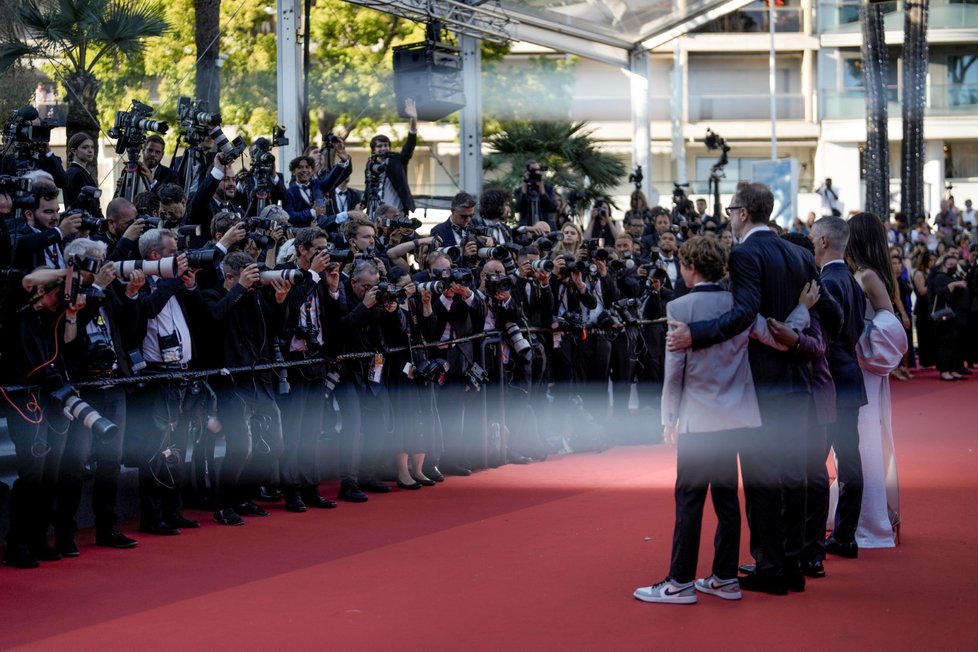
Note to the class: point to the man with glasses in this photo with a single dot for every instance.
(767, 275)
(453, 230)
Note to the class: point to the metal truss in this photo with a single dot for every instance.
(486, 21)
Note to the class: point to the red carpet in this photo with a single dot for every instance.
(527, 557)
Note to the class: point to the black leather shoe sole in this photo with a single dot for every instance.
(770, 584)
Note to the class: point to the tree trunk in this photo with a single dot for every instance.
(81, 92)
(914, 97)
(207, 24)
(325, 121)
(876, 161)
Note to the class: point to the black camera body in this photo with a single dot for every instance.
(26, 137)
(401, 222)
(498, 283)
(387, 292)
(193, 116)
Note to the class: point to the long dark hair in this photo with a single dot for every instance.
(868, 249)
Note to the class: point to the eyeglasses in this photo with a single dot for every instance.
(733, 208)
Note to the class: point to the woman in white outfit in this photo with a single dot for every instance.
(879, 350)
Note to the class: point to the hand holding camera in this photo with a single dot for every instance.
(370, 298)
(249, 276)
(320, 261)
(70, 224)
(281, 287)
(137, 279)
(135, 230)
(234, 235)
(106, 274)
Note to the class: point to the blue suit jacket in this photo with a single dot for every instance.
(838, 281)
(301, 212)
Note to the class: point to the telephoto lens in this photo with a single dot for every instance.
(542, 265)
(164, 268)
(200, 258)
(435, 287)
(293, 276)
(451, 251)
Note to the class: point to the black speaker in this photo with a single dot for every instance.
(430, 73)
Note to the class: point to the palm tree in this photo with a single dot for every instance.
(565, 148)
(73, 36)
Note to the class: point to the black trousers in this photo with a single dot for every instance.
(843, 437)
(303, 409)
(154, 416)
(772, 460)
(706, 460)
(38, 448)
(252, 427)
(817, 496)
(107, 453)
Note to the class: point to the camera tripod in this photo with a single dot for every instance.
(133, 181)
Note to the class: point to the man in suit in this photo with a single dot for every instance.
(155, 172)
(669, 262)
(392, 184)
(305, 199)
(452, 232)
(767, 275)
(39, 241)
(343, 198)
(830, 235)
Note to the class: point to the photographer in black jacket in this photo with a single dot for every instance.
(535, 200)
(251, 422)
(102, 350)
(313, 310)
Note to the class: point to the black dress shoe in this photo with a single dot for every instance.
(813, 569)
(315, 500)
(267, 496)
(67, 547)
(178, 520)
(20, 557)
(44, 552)
(162, 529)
(228, 517)
(294, 503)
(374, 486)
(249, 508)
(513, 458)
(848, 550)
(350, 492)
(425, 482)
(432, 473)
(451, 469)
(747, 569)
(413, 485)
(770, 583)
(115, 539)
(795, 581)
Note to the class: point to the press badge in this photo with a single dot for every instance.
(376, 369)
(171, 351)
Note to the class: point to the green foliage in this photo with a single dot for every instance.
(566, 148)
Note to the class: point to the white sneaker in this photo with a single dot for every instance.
(726, 589)
(667, 591)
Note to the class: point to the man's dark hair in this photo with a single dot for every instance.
(757, 200)
(116, 206)
(171, 193)
(43, 190)
(236, 261)
(153, 138)
(294, 163)
(463, 200)
(491, 203)
(147, 203)
(221, 222)
(802, 241)
(379, 138)
(305, 237)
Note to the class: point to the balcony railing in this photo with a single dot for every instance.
(789, 106)
(942, 99)
(943, 14)
(755, 18)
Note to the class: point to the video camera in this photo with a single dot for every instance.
(377, 165)
(25, 136)
(131, 126)
(193, 116)
(19, 191)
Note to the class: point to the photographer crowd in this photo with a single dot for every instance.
(209, 304)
